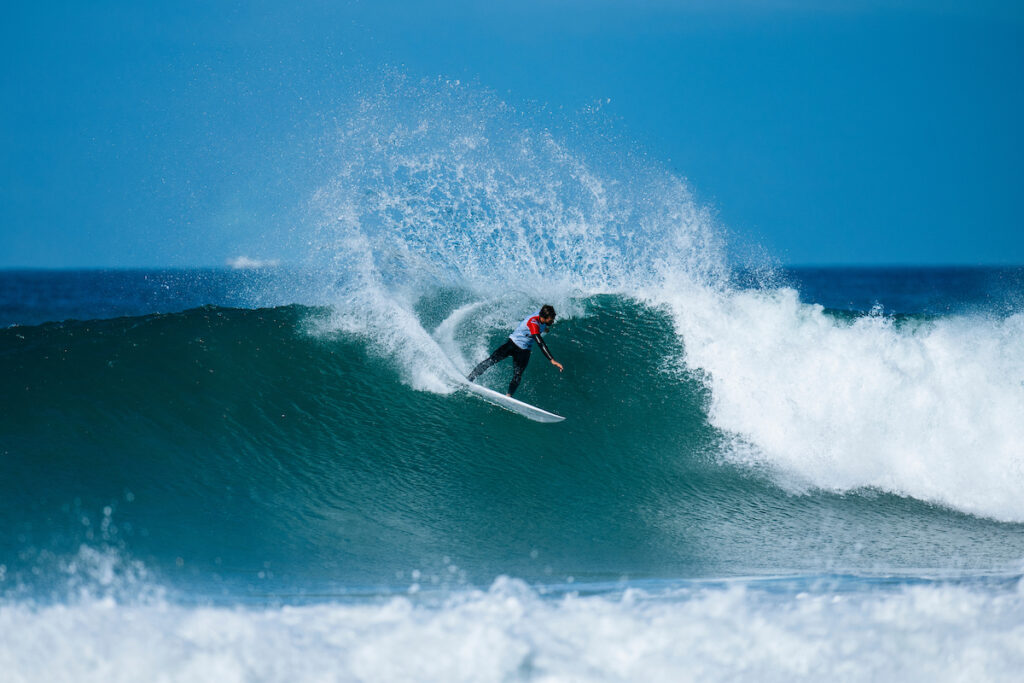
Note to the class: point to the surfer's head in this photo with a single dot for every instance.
(547, 314)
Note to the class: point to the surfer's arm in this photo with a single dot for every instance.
(544, 349)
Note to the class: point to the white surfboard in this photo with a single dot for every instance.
(508, 403)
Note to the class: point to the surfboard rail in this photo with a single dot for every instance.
(514, 405)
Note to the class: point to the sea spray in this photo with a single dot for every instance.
(441, 186)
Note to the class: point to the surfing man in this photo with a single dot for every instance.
(519, 345)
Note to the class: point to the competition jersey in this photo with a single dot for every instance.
(522, 336)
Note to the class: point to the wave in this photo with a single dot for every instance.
(251, 446)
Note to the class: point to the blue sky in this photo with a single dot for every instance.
(829, 132)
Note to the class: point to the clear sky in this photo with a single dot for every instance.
(149, 134)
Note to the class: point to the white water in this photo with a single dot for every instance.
(932, 410)
(509, 632)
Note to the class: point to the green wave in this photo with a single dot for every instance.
(234, 445)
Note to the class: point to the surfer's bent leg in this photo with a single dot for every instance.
(520, 357)
(501, 353)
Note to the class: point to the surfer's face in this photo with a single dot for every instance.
(548, 321)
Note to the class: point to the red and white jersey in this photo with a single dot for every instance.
(522, 336)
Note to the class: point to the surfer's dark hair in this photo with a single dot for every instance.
(547, 311)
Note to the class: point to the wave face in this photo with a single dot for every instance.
(248, 447)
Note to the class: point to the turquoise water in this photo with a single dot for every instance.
(236, 480)
(236, 449)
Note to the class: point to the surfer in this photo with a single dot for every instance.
(519, 344)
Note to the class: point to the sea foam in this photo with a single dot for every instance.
(510, 631)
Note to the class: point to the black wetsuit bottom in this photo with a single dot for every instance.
(520, 357)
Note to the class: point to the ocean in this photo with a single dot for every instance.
(818, 478)
(270, 473)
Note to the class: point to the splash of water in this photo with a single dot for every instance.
(441, 186)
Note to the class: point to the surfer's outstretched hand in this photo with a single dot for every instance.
(557, 364)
